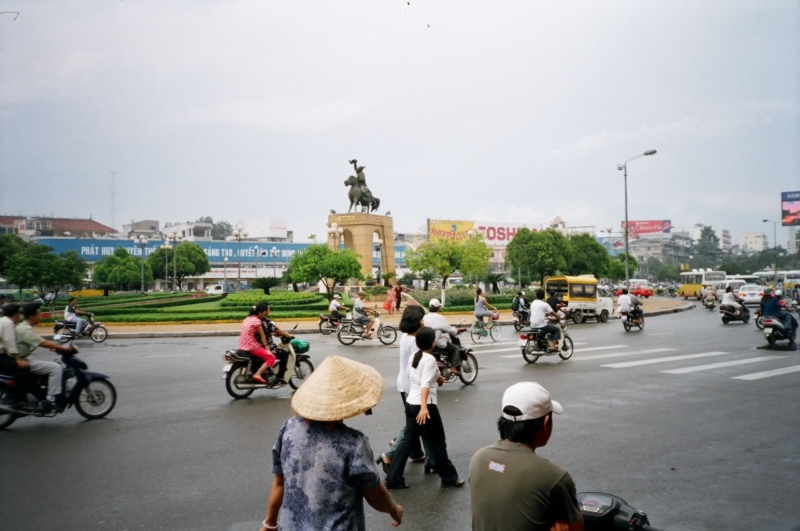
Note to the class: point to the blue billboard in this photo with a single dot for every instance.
(93, 250)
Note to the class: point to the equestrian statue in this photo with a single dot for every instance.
(359, 193)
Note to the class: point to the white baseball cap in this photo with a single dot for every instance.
(435, 303)
(532, 399)
(337, 296)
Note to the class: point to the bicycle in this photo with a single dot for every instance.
(478, 330)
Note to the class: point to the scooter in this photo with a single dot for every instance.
(90, 392)
(606, 512)
(775, 331)
(469, 363)
(240, 366)
(729, 313)
(519, 322)
(628, 322)
(710, 303)
(534, 343)
(351, 331)
(64, 331)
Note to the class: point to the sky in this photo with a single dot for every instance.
(513, 111)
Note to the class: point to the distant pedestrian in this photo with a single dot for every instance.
(390, 301)
(398, 295)
(324, 470)
(512, 488)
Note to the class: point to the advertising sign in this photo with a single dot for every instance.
(446, 229)
(649, 227)
(613, 244)
(499, 234)
(93, 250)
(790, 209)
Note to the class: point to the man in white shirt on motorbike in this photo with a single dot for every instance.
(629, 304)
(443, 329)
(729, 300)
(540, 311)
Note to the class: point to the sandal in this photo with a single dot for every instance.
(457, 485)
(259, 379)
(384, 464)
(396, 486)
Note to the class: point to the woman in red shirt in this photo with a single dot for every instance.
(251, 327)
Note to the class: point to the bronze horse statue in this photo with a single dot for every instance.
(361, 196)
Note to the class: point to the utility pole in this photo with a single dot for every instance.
(113, 216)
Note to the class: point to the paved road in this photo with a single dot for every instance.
(686, 420)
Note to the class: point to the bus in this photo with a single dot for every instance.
(773, 278)
(748, 279)
(692, 282)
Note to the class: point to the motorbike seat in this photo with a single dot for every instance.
(66, 324)
(242, 355)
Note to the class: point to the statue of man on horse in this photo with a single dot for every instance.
(359, 193)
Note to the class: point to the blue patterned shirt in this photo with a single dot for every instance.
(325, 472)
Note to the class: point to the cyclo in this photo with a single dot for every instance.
(580, 296)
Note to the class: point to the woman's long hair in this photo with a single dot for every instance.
(425, 339)
(478, 294)
(411, 321)
(261, 307)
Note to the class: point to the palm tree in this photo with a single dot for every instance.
(427, 276)
(387, 277)
(493, 279)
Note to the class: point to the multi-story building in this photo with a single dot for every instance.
(794, 240)
(191, 231)
(753, 242)
(147, 228)
(37, 226)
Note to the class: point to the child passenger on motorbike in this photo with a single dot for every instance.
(251, 328)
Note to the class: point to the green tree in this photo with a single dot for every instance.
(10, 244)
(442, 257)
(588, 256)
(616, 268)
(475, 257)
(407, 279)
(387, 277)
(538, 254)
(192, 262)
(707, 248)
(121, 271)
(320, 263)
(286, 278)
(266, 283)
(36, 266)
(669, 273)
(219, 230)
(427, 277)
(494, 279)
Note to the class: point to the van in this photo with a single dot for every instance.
(216, 289)
(723, 285)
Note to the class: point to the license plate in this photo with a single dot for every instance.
(227, 368)
(522, 342)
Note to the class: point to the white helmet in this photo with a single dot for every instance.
(337, 296)
(778, 293)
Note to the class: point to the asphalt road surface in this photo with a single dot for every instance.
(685, 420)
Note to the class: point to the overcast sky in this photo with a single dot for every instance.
(494, 110)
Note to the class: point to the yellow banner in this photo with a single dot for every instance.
(444, 229)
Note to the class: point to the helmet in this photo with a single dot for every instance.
(778, 293)
(337, 296)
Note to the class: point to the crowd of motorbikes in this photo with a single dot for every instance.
(774, 329)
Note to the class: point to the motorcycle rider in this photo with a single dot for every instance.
(711, 297)
(728, 299)
(520, 305)
(27, 341)
(443, 329)
(540, 311)
(630, 304)
(270, 330)
(71, 313)
(771, 307)
(9, 363)
(335, 307)
(553, 300)
(361, 316)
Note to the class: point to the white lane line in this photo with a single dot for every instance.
(663, 360)
(767, 374)
(498, 350)
(167, 356)
(619, 354)
(662, 334)
(484, 345)
(722, 364)
(602, 348)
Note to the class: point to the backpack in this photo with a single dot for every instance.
(515, 304)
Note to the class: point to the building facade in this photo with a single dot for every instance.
(753, 242)
(44, 227)
(148, 228)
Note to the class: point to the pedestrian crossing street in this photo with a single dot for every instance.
(666, 360)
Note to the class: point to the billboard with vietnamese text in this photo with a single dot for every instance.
(790, 209)
(646, 228)
(446, 229)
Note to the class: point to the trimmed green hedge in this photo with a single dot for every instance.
(471, 307)
(319, 308)
(216, 316)
(98, 302)
(161, 306)
(278, 298)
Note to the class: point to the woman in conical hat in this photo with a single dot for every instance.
(323, 470)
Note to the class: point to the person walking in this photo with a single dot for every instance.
(410, 323)
(390, 301)
(481, 305)
(500, 472)
(423, 417)
(323, 470)
(398, 295)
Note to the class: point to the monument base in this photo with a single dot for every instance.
(358, 233)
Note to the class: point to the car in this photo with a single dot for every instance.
(637, 292)
(751, 293)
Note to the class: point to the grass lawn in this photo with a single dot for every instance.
(213, 305)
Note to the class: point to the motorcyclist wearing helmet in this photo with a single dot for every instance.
(443, 329)
(771, 307)
(521, 306)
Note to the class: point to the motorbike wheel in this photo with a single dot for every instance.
(65, 337)
(302, 371)
(771, 339)
(495, 331)
(6, 419)
(641, 323)
(626, 325)
(387, 335)
(326, 328)
(517, 326)
(472, 362)
(96, 400)
(760, 322)
(345, 330)
(527, 353)
(237, 373)
(746, 318)
(603, 316)
(577, 316)
(726, 319)
(566, 349)
(99, 334)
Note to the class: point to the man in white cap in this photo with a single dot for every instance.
(443, 329)
(336, 305)
(512, 488)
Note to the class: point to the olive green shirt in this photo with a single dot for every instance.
(27, 339)
(513, 489)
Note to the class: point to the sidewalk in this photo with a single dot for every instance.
(652, 307)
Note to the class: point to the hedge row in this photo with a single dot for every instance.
(98, 302)
(471, 307)
(319, 308)
(247, 298)
(217, 316)
(161, 306)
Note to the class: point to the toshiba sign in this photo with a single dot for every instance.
(500, 234)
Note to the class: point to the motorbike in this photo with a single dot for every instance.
(534, 344)
(519, 322)
(64, 331)
(729, 313)
(606, 512)
(710, 303)
(329, 324)
(240, 366)
(92, 394)
(351, 331)
(789, 306)
(469, 363)
(775, 331)
(628, 322)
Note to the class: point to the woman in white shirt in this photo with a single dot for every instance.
(410, 323)
(422, 416)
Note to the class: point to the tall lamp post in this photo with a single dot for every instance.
(167, 247)
(335, 232)
(255, 248)
(624, 167)
(225, 275)
(141, 241)
(774, 246)
(379, 243)
(175, 241)
(239, 234)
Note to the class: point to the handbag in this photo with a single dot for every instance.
(386, 305)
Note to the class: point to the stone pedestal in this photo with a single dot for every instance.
(359, 228)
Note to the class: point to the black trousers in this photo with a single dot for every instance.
(432, 433)
(452, 354)
(283, 360)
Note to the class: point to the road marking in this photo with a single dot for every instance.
(168, 356)
(767, 374)
(664, 360)
(618, 354)
(483, 345)
(513, 355)
(662, 334)
(602, 348)
(722, 364)
(499, 350)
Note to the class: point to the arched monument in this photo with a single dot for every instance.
(356, 230)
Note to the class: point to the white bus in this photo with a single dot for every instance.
(748, 279)
(767, 278)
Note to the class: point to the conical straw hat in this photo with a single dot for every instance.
(338, 389)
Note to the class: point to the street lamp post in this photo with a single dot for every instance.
(255, 248)
(166, 246)
(176, 238)
(774, 246)
(142, 242)
(380, 260)
(335, 232)
(225, 275)
(239, 234)
(624, 168)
